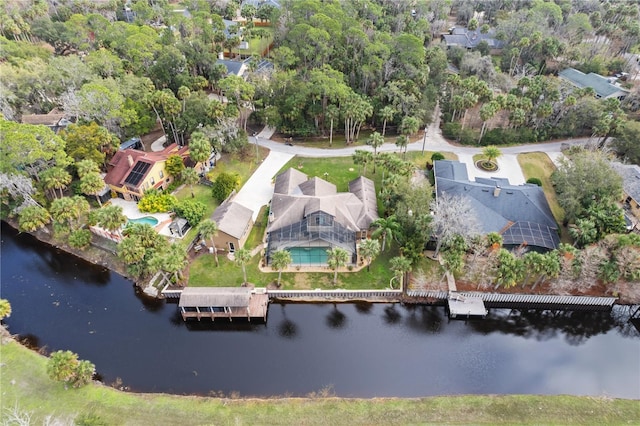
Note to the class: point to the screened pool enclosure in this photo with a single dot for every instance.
(309, 239)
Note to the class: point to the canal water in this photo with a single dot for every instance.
(61, 302)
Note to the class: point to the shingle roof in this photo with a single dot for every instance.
(630, 174)
(215, 297)
(498, 204)
(296, 197)
(600, 84)
(464, 37)
(232, 219)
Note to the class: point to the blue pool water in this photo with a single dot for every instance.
(150, 220)
(308, 255)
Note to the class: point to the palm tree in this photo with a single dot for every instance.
(337, 257)
(242, 256)
(209, 229)
(111, 218)
(333, 113)
(362, 157)
(387, 227)
(33, 218)
(400, 266)
(190, 177)
(280, 259)
(85, 167)
(55, 178)
(92, 183)
(5, 309)
(491, 153)
(131, 250)
(387, 113)
(369, 249)
(375, 140)
(401, 142)
(175, 260)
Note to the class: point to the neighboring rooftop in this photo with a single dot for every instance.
(630, 174)
(232, 218)
(519, 212)
(464, 37)
(603, 86)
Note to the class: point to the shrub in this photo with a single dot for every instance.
(64, 366)
(80, 239)
(156, 202)
(437, 156)
(224, 184)
(192, 210)
(451, 130)
(535, 181)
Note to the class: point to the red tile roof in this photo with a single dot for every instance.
(124, 161)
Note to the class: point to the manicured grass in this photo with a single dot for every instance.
(257, 45)
(235, 164)
(204, 273)
(539, 165)
(340, 170)
(339, 140)
(25, 385)
(421, 160)
(201, 193)
(259, 227)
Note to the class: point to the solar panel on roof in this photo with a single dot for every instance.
(138, 172)
(533, 234)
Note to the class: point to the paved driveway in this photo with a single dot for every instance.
(258, 190)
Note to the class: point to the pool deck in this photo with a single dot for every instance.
(130, 210)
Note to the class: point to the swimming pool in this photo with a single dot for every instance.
(149, 220)
(308, 255)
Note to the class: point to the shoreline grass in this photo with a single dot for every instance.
(25, 385)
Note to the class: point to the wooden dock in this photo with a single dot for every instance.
(223, 302)
(465, 307)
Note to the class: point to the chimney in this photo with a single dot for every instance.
(130, 160)
(496, 191)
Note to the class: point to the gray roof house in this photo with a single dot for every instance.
(603, 86)
(630, 174)
(234, 225)
(520, 213)
(464, 37)
(308, 216)
(259, 3)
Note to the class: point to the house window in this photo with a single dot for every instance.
(161, 174)
(153, 181)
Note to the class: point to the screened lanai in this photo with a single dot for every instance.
(309, 239)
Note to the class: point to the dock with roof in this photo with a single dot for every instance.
(465, 307)
(223, 302)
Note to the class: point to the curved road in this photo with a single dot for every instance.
(258, 190)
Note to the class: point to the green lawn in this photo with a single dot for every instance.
(339, 170)
(25, 385)
(257, 45)
(259, 227)
(204, 273)
(539, 165)
(338, 141)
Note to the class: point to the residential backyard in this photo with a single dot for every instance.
(539, 165)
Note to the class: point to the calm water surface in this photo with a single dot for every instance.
(61, 302)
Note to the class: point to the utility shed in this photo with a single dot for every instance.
(222, 302)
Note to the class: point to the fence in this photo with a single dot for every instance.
(341, 295)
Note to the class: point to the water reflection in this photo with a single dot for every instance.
(303, 348)
(335, 318)
(287, 328)
(391, 315)
(576, 326)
